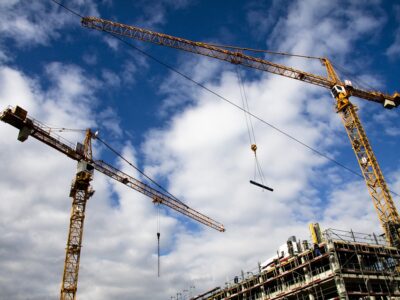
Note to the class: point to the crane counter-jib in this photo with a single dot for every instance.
(17, 117)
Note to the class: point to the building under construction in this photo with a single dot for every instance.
(344, 265)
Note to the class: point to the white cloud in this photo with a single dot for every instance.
(90, 58)
(110, 121)
(119, 241)
(36, 207)
(176, 98)
(16, 89)
(129, 72)
(4, 55)
(308, 28)
(394, 49)
(204, 154)
(361, 217)
(207, 158)
(111, 78)
(112, 42)
(386, 119)
(261, 16)
(35, 214)
(155, 12)
(36, 23)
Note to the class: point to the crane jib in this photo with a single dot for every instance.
(234, 57)
(341, 92)
(17, 117)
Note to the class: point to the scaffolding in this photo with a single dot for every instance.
(346, 265)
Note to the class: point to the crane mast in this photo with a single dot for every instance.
(376, 184)
(373, 176)
(80, 193)
(81, 189)
(341, 91)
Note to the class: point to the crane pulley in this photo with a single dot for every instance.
(341, 92)
(81, 189)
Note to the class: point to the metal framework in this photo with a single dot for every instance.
(387, 213)
(157, 196)
(29, 126)
(347, 266)
(235, 57)
(81, 190)
(376, 184)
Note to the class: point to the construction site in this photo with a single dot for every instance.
(339, 265)
(334, 264)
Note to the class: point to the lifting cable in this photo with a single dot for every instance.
(265, 51)
(137, 169)
(158, 239)
(353, 77)
(250, 132)
(157, 203)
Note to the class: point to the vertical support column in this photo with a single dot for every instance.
(81, 191)
(260, 280)
(371, 171)
(307, 276)
(336, 268)
(369, 289)
(341, 287)
(367, 282)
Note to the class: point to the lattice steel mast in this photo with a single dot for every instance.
(80, 193)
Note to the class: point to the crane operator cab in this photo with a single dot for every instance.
(338, 91)
(81, 182)
(341, 96)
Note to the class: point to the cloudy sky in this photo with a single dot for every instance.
(186, 138)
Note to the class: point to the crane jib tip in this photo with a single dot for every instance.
(261, 185)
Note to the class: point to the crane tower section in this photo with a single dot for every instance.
(80, 193)
(376, 184)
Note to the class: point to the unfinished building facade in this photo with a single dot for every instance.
(345, 265)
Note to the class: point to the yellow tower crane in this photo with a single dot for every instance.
(341, 92)
(81, 189)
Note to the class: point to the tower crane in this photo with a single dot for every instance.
(340, 90)
(81, 189)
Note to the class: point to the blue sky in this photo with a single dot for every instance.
(188, 139)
